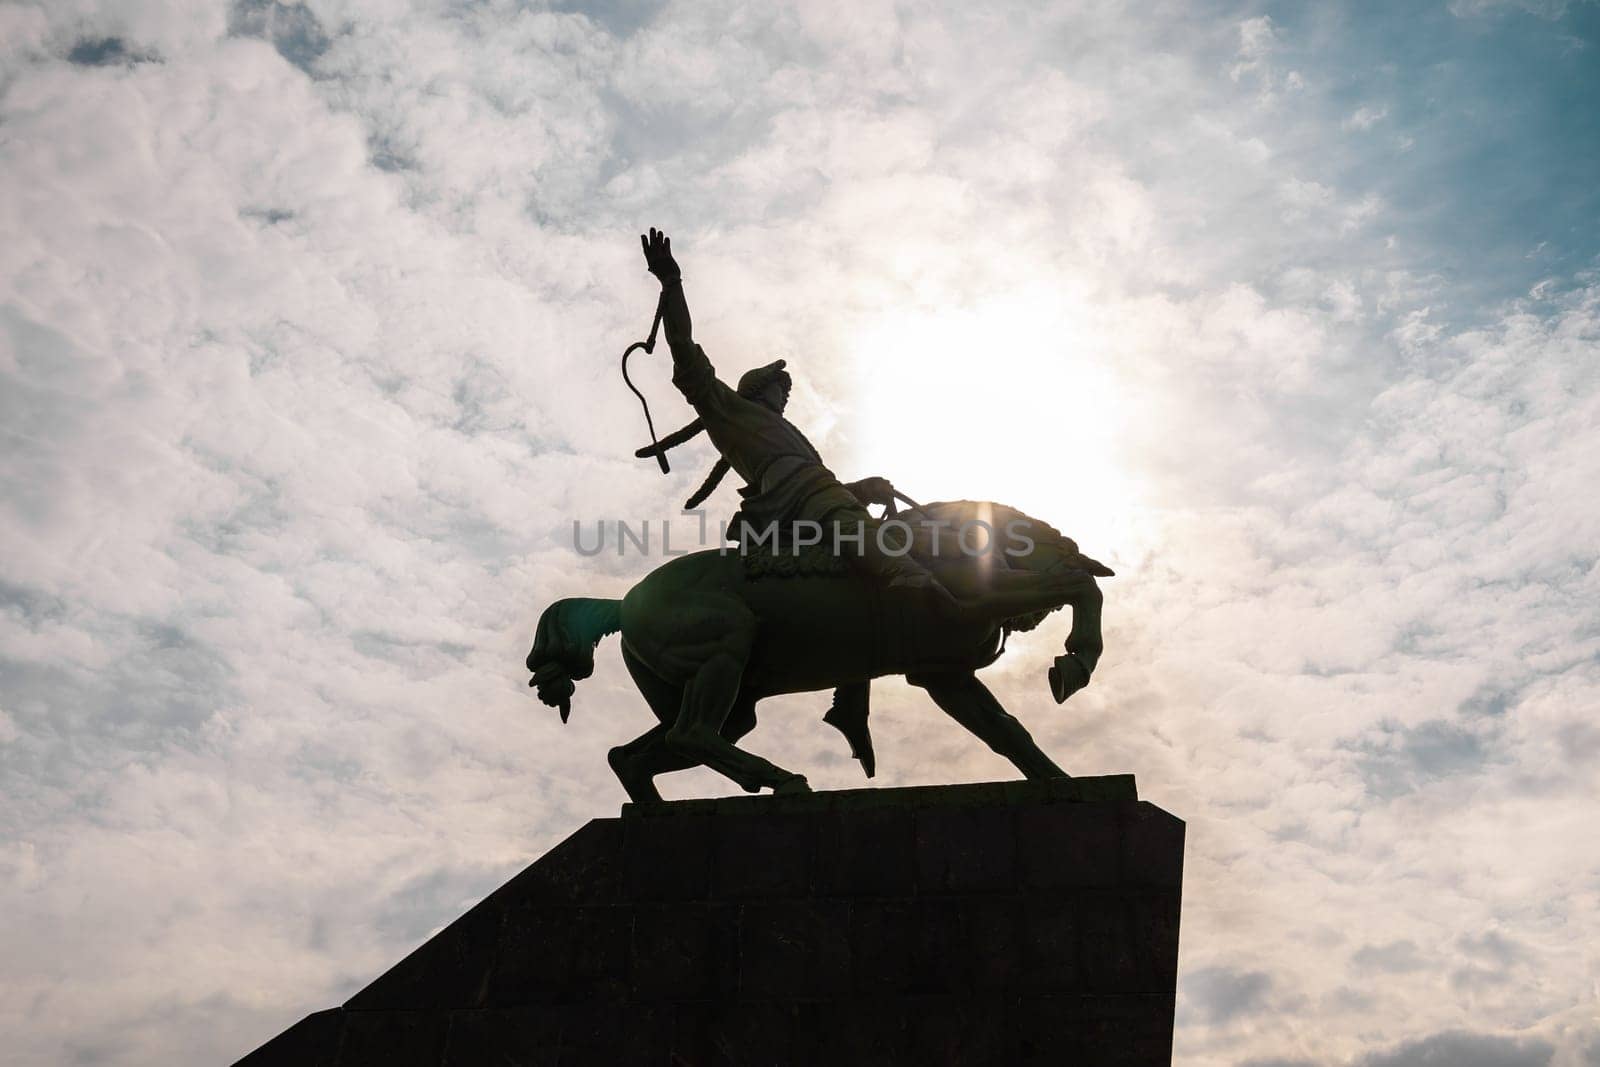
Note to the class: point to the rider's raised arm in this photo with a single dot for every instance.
(692, 372)
(675, 315)
(674, 308)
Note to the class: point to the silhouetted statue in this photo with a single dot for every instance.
(707, 635)
(785, 479)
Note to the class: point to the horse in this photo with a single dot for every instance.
(707, 635)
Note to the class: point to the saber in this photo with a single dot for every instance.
(648, 344)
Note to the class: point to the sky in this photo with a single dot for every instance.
(309, 325)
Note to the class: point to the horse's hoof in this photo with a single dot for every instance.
(793, 784)
(1067, 676)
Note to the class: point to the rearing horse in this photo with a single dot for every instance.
(704, 641)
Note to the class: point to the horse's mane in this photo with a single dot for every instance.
(955, 512)
(942, 542)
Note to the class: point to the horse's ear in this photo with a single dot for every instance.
(1095, 567)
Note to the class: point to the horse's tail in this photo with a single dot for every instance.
(563, 646)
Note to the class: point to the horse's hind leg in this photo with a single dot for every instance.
(639, 761)
(698, 649)
(700, 732)
(713, 638)
(968, 701)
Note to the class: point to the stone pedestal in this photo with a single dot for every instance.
(1003, 923)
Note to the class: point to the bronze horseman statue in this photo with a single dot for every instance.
(707, 635)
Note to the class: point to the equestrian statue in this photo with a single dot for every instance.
(816, 594)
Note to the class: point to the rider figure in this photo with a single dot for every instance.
(786, 480)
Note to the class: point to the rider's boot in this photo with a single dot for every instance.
(848, 715)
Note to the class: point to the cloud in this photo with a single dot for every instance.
(1364, 118)
(1395, 956)
(105, 52)
(1257, 37)
(1463, 1049)
(1221, 994)
(1545, 9)
(294, 29)
(1493, 947)
(1428, 750)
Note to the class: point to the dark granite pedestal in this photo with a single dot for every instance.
(1003, 923)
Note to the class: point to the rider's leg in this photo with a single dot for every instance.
(867, 556)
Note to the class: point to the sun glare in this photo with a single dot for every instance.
(1006, 400)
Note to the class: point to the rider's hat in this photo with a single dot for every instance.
(753, 382)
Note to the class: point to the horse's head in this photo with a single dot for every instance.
(1016, 541)
(1043, 549)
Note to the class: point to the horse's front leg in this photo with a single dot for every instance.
(1005, 594)
(968, 701)
(1070, 673)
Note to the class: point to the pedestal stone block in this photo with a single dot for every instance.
(1006, 922)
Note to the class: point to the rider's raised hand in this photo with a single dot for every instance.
(658, 256)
